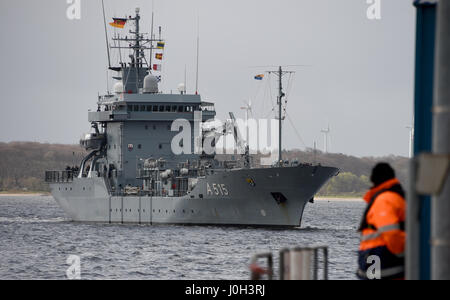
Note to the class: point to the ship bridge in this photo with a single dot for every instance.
(151, 107)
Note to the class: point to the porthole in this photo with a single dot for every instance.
(192, 211)
(174, 211)
(184, 211)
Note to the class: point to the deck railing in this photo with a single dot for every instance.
(59, 176)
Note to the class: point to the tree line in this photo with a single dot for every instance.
(23, 164)
(354, 177)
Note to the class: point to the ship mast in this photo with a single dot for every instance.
(280, 73)
(138, 44)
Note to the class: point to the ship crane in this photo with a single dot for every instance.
(242, 146)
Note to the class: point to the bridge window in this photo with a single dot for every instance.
(161, 108)
(174, 108)
(168, 108)
(180, 108)
(129, 108)
(155, 108)
(136, 108)
(143, 107)
(149, 108)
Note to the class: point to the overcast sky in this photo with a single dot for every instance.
(360, 78)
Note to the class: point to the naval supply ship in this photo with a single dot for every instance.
(132, 175)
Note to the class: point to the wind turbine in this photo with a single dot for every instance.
(247, 108)
(326, 132)
(248, 112)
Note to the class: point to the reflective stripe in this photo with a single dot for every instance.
(380, 230)
(370, 236)
(389, 228)
(392, 271)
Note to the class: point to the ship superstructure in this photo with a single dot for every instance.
(133, 175)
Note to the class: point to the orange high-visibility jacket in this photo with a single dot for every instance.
(385, 218)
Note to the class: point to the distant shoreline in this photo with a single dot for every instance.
(23, 194)
(38, 194)
(356, 199)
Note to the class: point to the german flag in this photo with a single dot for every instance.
(118, 23)
(159, 56)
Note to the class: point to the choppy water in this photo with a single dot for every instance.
(36, 240)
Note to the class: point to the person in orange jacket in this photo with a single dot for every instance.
(381, 253)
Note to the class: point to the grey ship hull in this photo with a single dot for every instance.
(236, 202)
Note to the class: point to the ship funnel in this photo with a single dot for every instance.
(150, 84)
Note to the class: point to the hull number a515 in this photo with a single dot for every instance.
(217, 189)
